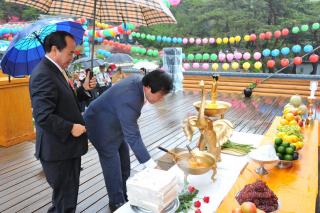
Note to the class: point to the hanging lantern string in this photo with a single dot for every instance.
(278, 71)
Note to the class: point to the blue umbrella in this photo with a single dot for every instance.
(26, 49)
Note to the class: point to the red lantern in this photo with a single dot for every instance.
(262, 36)
(268, 35)
(284, 62)
(285, 32)
(270, 64)
(277, 34)
(253, 37)
(314, 58)
(297, 60)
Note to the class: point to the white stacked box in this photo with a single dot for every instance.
(152, 189)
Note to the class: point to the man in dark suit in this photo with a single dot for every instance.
(111, 122)
(60, 130)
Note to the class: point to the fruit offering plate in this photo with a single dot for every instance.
(284, 164)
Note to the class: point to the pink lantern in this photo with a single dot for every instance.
(195, 65)
(174, 2)
(277, 34)
(262, 36)
(186, 66)
(246, 56)
(237, 55)
(253, 37)
(268, 35)
(184, 40)
(204, 40)
(222, 56)
(257, 56)
(205, 66)
(229, 57)
(191, 40)
(211, 40)
(285, 32)
(198, 41)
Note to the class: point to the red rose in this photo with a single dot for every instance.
(197, 204)
(191, 189)
(206, 199)
(197, 211)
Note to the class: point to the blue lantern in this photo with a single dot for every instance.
(159, 38)
(308, 48)
(296, 48)
(266, 52)
(275, 52)
(285, 51)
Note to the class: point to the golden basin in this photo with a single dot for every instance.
(197, 163)
(213, 110)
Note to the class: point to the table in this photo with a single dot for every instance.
(296, 187)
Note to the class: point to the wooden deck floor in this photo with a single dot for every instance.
(23, 187)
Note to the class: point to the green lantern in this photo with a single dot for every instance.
(150, 52)
(138, 35)
(143, 36)
(205, 56)
(315, 26)
(295, 30)
(143, 51)
(155, 53)
(198, 56)
(190, 57)
(304, 28)
(213, 57)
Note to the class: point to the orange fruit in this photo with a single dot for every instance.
(289, 116)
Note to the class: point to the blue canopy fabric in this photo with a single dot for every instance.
(26, 49)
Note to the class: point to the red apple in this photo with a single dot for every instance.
(301, 123)
(237, 210)
(248, 207)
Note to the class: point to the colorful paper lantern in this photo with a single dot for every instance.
(238, 38)
(195, 65)
(205, 66)
(285, 32)
(190, 57)
(275, 52)
(285, 51)
(215, 66)
(246, 56)
(246, 38)
(257, 65)
(225, 66)
(304, 28)
(204, 40)
(174, 2)
(257, 56)
(232, 40)
(297, 60)
(235, 65)
(237, 55)
(211, 40)
(198, 56)
(315, 26)
(284, 62)
(314, 58)
(191, 40)
(222, 56)
(295, 30)
(186, 66)
(184, 41)
(205, 56)
(198, 41)
(246, 65)
(296, 48)
(213, 57)
(229, 57)
(262, 36)
(268, 35)
(308, 48)
(225, 40)
(219, 40)
(277, 34)
(270, 64)
(253, 37)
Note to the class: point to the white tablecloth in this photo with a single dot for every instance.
(228, 171)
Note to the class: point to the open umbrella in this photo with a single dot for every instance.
(85, 63)
(26, 49)
(120, 59)
(139, 12)
(145, 64)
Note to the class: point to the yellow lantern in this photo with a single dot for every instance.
(231, 40)
(246, 38)
(113, 33)
(246, 65)
(238, 38)
(225, 40)
(257, 65)
(225, 66)
(215, 66)
(235, 65)
(219, 40)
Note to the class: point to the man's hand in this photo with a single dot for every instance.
(78, 130)
(88, 83)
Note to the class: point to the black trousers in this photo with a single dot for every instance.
(63, 177)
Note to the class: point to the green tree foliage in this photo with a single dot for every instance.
(220, 18)
(23, 12)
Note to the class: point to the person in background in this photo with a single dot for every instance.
(119, 75)
(103, 79)
(112, 124)
(61, 137)
(143, 71)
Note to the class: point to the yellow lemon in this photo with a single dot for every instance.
(293, 123)
(293, 138)
(289, 116)
(286, 138)
(284, 121)
(300, 144)
(281, 134)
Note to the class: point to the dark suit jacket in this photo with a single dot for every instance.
(55, 110)
(112, 118)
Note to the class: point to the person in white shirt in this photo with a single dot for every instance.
(103, 79)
